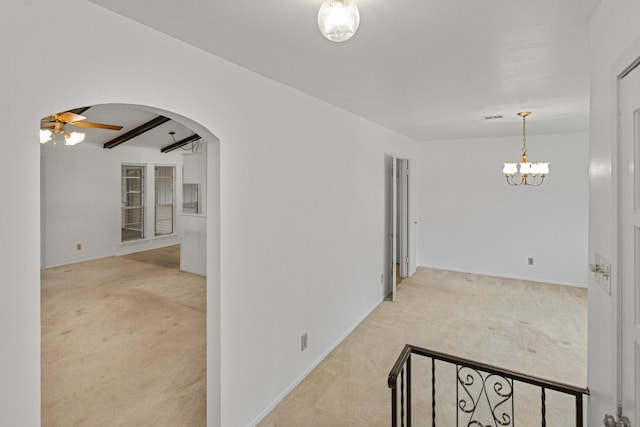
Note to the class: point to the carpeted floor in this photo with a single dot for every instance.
(168, 257)
(123, 343)
(529, 327)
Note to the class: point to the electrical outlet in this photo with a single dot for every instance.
(382, 278)
(303, 342)
(79, 246)
(530, 261)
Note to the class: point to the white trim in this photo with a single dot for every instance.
(120, 253)
(298, 380)
(625, 63)
(507, 276)
(77, 261)
(134, 242)
(149, 244)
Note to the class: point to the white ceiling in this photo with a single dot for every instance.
(129, 117)
(429, 69)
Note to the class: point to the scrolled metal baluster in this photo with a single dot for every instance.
(502, 394)
(466, 379)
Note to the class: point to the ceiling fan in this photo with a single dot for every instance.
(55, 124)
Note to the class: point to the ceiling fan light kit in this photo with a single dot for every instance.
(54, 124)
(531, 174)
(338, 20)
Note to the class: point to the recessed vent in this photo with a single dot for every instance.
(494, 117)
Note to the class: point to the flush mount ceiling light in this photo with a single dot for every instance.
(530, 173)
(338, 20)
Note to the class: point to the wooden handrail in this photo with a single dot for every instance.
(518, 376)
(402, 370)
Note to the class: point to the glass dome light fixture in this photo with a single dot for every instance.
(338, 20)
(530, 173)
(70, 138)
(73, 138)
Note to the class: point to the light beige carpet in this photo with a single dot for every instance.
(123, 344)
(168, 257)
(530, 327)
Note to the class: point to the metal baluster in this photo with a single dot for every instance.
(409, 392)
(544, 408)
(433, 392)
(579, 422)
(402, 397)
(394, 406)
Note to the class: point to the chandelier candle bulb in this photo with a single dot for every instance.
(525, 168)
(510, 169)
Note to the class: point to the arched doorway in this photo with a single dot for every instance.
(91, 192)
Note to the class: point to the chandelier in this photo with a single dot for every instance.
(338, 20)
(530, 173)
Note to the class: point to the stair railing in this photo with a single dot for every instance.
(495, 386)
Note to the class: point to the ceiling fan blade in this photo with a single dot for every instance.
(69, 117)
(96, 125)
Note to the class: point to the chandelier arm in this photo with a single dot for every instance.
(510, 180)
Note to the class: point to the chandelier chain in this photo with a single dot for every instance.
(524, 134)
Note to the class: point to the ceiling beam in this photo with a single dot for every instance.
(180, 143)
(153, 123)
(79, 110)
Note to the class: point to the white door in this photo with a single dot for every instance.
(394, 225)
(629, 156)
(403, 216)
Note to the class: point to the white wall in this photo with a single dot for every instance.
(471, 220)
(19, 247)
(81, 200)
(615, 44)
(193, 248)
(301, 200)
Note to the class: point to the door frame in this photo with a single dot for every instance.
(402, 198)
(617, 172)
(397, 193)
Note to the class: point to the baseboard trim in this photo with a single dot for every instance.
(307, 371)
(162, 242)
(507, 276)
(78, 261)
